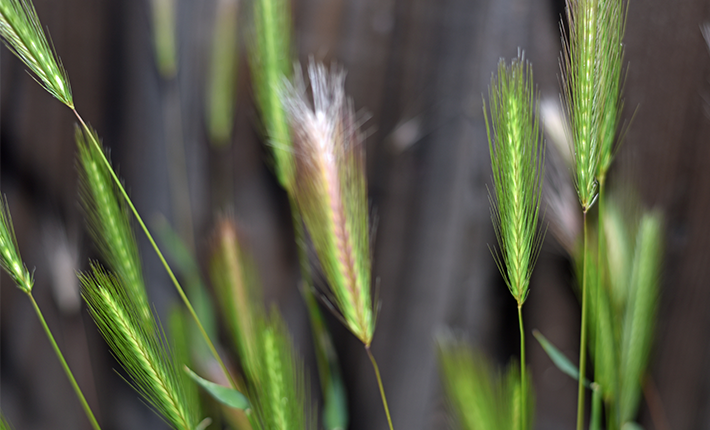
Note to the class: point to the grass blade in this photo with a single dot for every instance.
(225, 395)
(638, 329)
(559, 359)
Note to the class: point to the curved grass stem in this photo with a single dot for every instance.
(583, 332)
(523, 382)
(379, 383)
(65, 366)
(174, 280)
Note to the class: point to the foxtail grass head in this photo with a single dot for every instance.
(480, 396)
(270, 61)
(517, 160)
(232, 275)
(331, 190)
(142, 351)
(108, 219)
(23, 35)
(10, 259)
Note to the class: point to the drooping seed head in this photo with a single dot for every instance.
(331, 189)
(23, 35)
(10, 259)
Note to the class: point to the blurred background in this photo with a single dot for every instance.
(418, 69)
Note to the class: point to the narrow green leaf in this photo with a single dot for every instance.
(225, 395)
(640, 314)
(335, 404)
(559, 359)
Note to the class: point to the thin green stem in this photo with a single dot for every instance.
(583, 332)
(179, 289)
(523, 382)
(379, 382)
(60, 356)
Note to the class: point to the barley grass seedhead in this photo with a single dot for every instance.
(143, 352)
(239, 297)
(224, 62)
(517, 159)
(23, 35)
(280, 391)
(10, 259)
(108, 219)
(588, 70)
(331, 190)
(480, 397)
(270, 63)
(164, 14)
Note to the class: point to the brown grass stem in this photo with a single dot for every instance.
(65, 366)
(583, 332)
(523, 387)
(379, 383)
(174, 280)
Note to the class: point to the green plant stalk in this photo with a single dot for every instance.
(174, 280)
(379, 383)
(583, 333)
(523, 388)
(65, 366)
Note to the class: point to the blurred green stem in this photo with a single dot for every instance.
(379, 383)
(68, 372)
(583, 332)
(179, 289)
(523, 388)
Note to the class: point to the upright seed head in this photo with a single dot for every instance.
(331, 189)
(517, 158)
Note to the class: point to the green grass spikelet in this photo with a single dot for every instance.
(23, 35)
(144, 353)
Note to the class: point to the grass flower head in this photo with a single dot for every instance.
(23, 35)
(10, 259)
(331, 190)
(517, 158)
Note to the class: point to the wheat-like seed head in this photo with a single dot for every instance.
(481, 397)
(108, 219)
(331, 190)
(280, 393)
(517, 159)
(143, 352)
(232, 275)
(10, 259)
(22, 32)
(270, 62)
